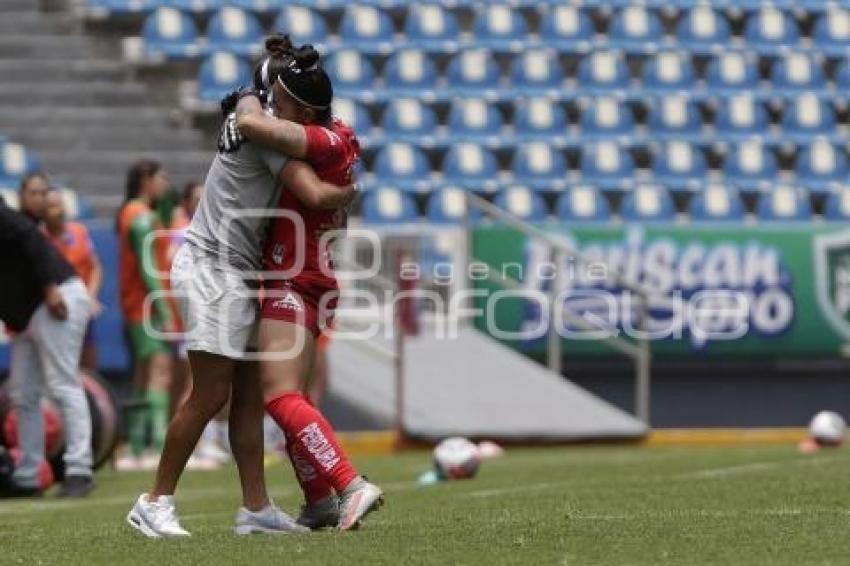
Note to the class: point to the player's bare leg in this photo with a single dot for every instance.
(246, 434)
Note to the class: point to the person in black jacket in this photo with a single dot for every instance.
(45, 304)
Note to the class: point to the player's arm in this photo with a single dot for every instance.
(278, 135)
(139, 234)
(301, 180)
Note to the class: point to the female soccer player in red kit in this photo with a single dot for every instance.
(300, 300)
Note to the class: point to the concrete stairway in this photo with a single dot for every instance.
(68, 96)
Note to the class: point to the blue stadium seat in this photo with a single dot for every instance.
(522, 202)
(806, 117)
(751, 166)
(474, 119)
(431, 27)
(607, 117)
(837, 205)
(717, 203)
(403, 166)
(234, 29)
(539, 166)
(112, 351)
(408, 120)
(367, 29)
(648, 203)
(187, 5)
(536, 72)
(411, 73)
(679, 166)
(303, 25)
(567, 28)
(387, 205)
(821, 166)
(77, 207)
(797, 72)
(731, 72)
(741, 117)
(784, 203)
(675, 117)
(500, 28)
(583, 204)
(540, 118)
(259, 6)
(473, 72)
(471, 166)
(607, 165)
(669, 71)
(703, 30)
(636, 29)
(603, 71)
(831, 33)
(221, 73)
(448, 206)
(771, 30)
(356, 116)
(170, 33)
(351, 73)
(15, 162)
(842, 76)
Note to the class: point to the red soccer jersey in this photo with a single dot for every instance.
(332, 152)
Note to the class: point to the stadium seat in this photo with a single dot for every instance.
(583, 204)
(842, 76)
(474, 119)
(387, 205)
(703, 30)
(717, 203)
(170, 33)
(837, 205)
(539, 166)
(821, 166)
(303, 25)
(648, 203)
(540, 118)
(448, 206)
(635, 29)
(831, 33)
(351, 73)
(669, 71)
(500, 28)
(536, 72)
(16, 162)
(730, 73)
(221, 73)
(806, 117)
(259, 6)
(473, 72)
(411, 73)
(679, 166)
(797, 72)
(674, 117)
(567, 28)
(431, 27)
(355, 115)
(522, 202)
(751, 166)
(784, 203)
(607, 117)
(77, 207)
(408, 120)
(603, 71)
(367, 29)
(770, 30)
(200, 6)
(471, 166)
(607, 165)
(101, 9)
(741, 117)
(403, 166)
(234, 29)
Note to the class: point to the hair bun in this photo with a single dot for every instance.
(279, 45)
(306, 57)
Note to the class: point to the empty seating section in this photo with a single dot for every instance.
(579, 110)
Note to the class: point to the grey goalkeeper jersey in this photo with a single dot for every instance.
(230, 222)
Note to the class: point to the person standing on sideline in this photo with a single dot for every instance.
(73, 242)
(44, 302)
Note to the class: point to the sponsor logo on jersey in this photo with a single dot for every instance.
(288, 302)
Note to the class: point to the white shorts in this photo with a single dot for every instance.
(218, 307)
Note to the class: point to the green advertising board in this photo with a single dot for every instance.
(791, 285)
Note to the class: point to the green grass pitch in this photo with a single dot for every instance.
(568, 506)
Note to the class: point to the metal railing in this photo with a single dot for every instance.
(639, 350)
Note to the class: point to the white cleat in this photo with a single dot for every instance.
(357, 501)
(269, 521)
(156, 519)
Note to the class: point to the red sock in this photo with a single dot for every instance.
(313, 485)
(312, 439)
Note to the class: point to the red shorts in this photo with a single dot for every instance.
(300, 303)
